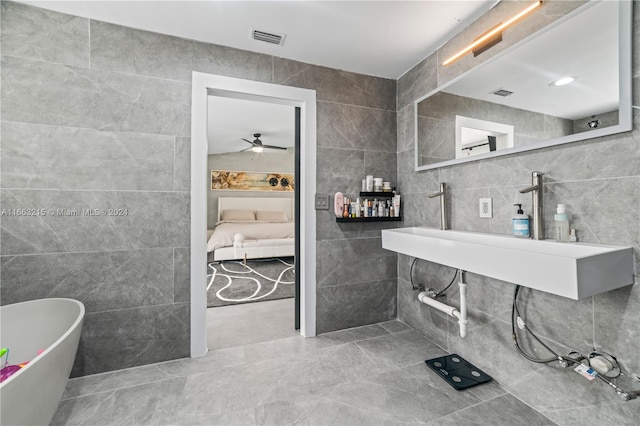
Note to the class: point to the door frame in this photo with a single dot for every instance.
(203, 86)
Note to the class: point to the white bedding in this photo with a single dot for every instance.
(224, 233)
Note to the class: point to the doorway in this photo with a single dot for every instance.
(204, 86)
(251, 274)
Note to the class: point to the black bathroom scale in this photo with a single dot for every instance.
(458, 372)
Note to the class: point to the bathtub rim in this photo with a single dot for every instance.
(66, 334)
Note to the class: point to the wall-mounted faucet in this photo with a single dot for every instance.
(444, 221)
(536, 190)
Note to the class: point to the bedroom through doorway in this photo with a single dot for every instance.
(253, 292)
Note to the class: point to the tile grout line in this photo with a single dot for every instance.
(161, 305)
(121, 387)
(141, 76)
(559, 182)
(339, 148)
(357, 106)
(154, 191)
(90, 252)
(92, 129)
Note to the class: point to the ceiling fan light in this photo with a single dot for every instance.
(257, 149)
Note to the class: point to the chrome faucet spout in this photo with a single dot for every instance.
(536, 190)
(444, 214)
(529, 189)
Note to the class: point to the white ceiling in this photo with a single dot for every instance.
(233, 119)
(380, 38)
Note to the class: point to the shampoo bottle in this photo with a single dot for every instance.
(561, 225)
(338, 204)
(520, 223)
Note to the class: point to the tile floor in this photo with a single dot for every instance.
(236, 325)
(371, 375)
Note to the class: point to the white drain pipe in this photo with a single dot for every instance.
(451, 310)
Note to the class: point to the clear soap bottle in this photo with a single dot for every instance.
(561, 225)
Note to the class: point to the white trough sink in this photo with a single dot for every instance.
(573, 270)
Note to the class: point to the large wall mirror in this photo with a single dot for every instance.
(516, 102)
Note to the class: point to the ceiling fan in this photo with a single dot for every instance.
(257, 144)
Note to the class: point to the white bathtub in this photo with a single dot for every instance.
(31, 396)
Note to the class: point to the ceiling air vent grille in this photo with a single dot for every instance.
(502, 92)
(268, 36)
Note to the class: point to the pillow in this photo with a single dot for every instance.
(238, 215)
(271, 216)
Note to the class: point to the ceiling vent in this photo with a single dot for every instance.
(268, 36)
(502, 92)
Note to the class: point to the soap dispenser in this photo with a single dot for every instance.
(561, 225)
(520, 223)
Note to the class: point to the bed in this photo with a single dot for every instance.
(252, 228)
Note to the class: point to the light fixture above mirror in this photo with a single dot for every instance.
(518, 88)
(492, 36)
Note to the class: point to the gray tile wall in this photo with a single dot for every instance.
(97, 116)
(599, 181)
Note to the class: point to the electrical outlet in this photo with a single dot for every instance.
(486, 208)
(322, 202)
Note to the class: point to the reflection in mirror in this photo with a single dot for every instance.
(474, 137)
(520, 93)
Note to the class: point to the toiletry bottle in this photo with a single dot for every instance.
(572, 236)
(520, 223)
(338, 204)
(561, 225)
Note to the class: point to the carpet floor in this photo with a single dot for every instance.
(232, 282)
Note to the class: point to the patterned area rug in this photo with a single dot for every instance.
(232, 283)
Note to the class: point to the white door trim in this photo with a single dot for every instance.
(204, 85)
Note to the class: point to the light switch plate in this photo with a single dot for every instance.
(486, 208)
(322, 202)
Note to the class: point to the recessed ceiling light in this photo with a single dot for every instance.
(563, 81)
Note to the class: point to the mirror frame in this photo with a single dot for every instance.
(625, 72)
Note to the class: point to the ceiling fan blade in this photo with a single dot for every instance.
(246, 140)
(273, 147)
